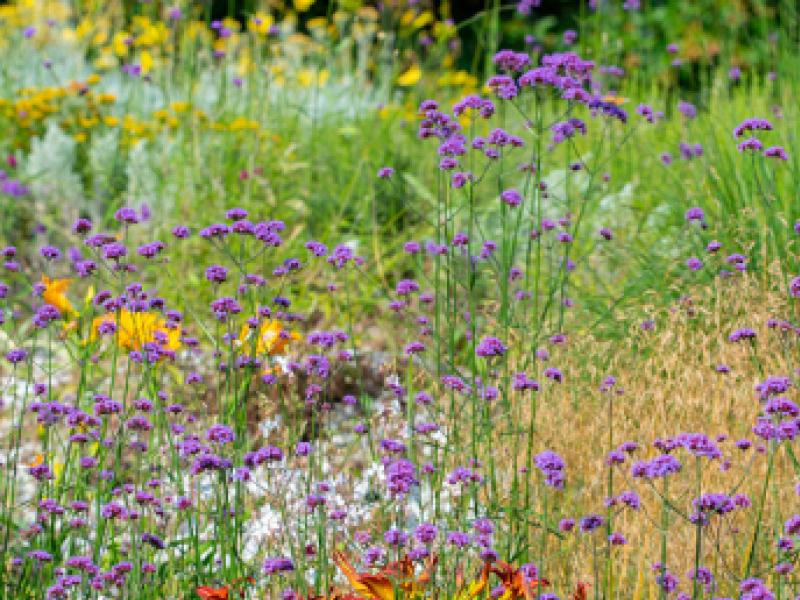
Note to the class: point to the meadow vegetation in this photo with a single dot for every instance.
(358, 301)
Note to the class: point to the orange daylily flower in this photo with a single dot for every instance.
(55, 294)
(333, 596)
(381, 586)
(135, 329)
(222, 593)
(581, 591)
(209, 593)
(377, 587)
(477, 587)
(515, 582)
(272, 337)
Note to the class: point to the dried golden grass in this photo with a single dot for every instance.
(670, 386)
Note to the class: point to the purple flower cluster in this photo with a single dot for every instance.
(489, 347)
(753, 144)
(552, 467)
(658, 467)
(400, 476)
(711, 504)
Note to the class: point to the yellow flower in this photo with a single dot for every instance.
(302, 5)
(179, 106)
(616, 100)
(106, 98)
(146, 60)
(410, 77)
(100, 38)
(149, 33)
(272, 338)
(457, 78)
(84, 28)
(242, 124)
(220, 45)
(55, 294)
(120, 43)
(317, 23)
(260, 23)
(424, 18)
(135, 329)
(305, 77)
(394, 577)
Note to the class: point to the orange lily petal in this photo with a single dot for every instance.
(209, 593)
(54, 294)
(348, 571)
(378, 587)
(581, 591)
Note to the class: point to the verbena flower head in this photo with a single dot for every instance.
(511, 197)
(694, 263)
(778, 152)
(591, 522)
(552, 467)
(508, 60)
(220, 434)
(773, 386)
(698, 444)
(687, 109)
(742, 334)
(276, 565)
(553, 374)
(16, 355)
(749, 125)
(660, 466)
(126, 215)
(755, 589)
(400, 476)
(711, 504)
(750, 145)
(695, 214)
(489, 347)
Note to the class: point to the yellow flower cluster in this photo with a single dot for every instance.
(55, 294)
(271, 338)
(135, 329)
(156, 41)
